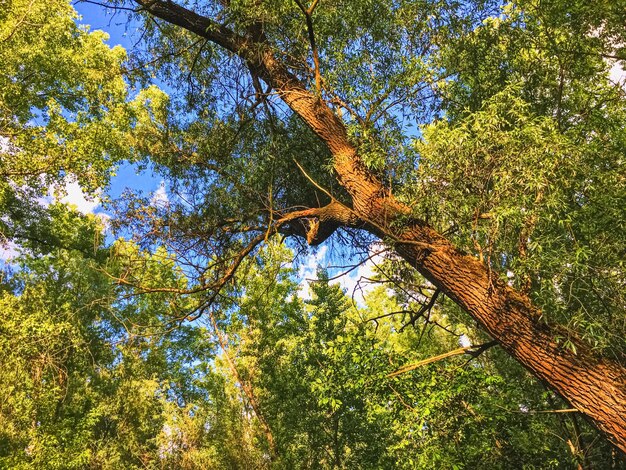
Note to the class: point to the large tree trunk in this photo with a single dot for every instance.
(595, 386)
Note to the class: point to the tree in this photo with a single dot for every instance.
(66, 112)
(516, 167)
(95, 376)
(335, 385)
(89, 379)
(502, 111)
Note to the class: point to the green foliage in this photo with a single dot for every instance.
(90, 377)
(63, 96)
(535, 201)
(495, 121)
(81, 384)
(318, 374)
(66, 113)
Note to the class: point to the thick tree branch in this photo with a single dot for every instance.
(328, 219)
(260, 59)
(198, 24)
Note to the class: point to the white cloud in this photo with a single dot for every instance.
(70, 188)
(75, 196)
(618, 74)
(308, 271)
(160, 197)
(356, 282)
(5, 144)
(8, 251)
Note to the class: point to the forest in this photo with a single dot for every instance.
(326, 234)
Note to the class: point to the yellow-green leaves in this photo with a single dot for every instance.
(63, 97)
(490, 171)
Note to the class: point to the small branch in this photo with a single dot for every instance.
(349, 268)
(390, 314)
(114, 7)
(342, 104)
(406, 405)
(471, 350)
(308, 14)
(478, 350)
(312, 7)
(306, 175)
(425, 309)
(534, 412)
(162, 57)
(415, 365)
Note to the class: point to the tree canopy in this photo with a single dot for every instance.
(472, 152)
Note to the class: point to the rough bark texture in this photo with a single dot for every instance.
(595, 386)
(328, 219)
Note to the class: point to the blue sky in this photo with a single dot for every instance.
(116, 26)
